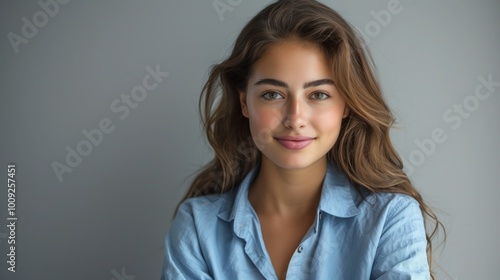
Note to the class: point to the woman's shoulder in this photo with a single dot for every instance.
(199, 214)
(390, 203)
(388, 197)
(207, 205)
(393, 198)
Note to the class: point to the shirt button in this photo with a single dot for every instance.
(300, 249)
(320, 215)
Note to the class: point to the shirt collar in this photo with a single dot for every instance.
(238, 202)
(338, 196)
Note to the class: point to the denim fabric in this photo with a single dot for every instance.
(380, 236)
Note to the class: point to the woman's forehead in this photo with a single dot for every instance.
(292, 61)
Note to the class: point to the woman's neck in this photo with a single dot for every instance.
(288, 193)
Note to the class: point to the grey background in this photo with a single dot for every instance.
(108, 218)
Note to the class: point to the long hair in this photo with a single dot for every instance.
(363, 149)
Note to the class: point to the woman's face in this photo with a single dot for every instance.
(293, 107)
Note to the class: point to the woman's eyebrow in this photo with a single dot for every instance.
(279, 83)
(319, 83)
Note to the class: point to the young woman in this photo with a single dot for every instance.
(305, 183)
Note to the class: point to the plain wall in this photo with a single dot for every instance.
(107, 218)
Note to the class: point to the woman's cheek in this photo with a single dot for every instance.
(262, 126)
(331, 117)
(270, 118)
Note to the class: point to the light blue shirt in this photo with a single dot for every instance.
(379, 237)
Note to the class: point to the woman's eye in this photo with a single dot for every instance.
(272, 95)
(320, 95)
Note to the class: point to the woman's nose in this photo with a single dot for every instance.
(295, 114)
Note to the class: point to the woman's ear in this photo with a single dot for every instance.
(243, 102)
(346, 112)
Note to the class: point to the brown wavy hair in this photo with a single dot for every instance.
(363, 149)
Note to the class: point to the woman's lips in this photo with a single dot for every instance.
(294, 142)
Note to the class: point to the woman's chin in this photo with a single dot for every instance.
(292, 162)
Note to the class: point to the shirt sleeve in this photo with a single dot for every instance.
(401, 253)
(183, 257)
